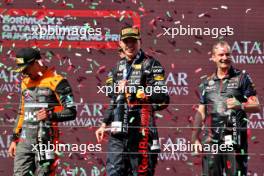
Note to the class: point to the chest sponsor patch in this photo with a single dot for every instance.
(210, 88)
(232, 85)
(137, 66)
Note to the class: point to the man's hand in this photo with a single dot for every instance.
(42, 114)
(233, 103)
(100, 132)
(12, 149)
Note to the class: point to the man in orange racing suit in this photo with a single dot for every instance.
(46, 99)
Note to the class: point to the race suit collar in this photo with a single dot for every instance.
(231, 73)
(48, 72)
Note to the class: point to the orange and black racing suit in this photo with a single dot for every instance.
(53, 93)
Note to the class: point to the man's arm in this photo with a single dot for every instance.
(154, 76)
(248, 88)
(108, 118)
(17, 128)
(251, 105)
(200, 113)
(198, 121)
(65, 96)
(109, 114)
(19, 120)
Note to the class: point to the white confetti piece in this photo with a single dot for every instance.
(224, 7)
(40, 73)
(201, 15)
(78, 54)
(89, 72)
(198, 43)
(40, 63)
(69, 61)
(177, 22)
(159, 115)
(182, 16)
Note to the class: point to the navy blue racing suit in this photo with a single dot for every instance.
(227, 124)
(130, 152)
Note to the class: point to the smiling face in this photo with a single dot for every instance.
(222, 56)
(130, 47)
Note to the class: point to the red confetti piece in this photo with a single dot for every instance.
(141, 9)
(228, 164)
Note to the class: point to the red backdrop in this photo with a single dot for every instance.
(85, 62)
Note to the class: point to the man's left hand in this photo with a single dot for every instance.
(42, 114)
(233, 103)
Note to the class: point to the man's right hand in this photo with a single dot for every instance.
(12, 149)
(100, 132)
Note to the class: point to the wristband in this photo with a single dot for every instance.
(15, 137)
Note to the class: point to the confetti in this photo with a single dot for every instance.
(132, 119)
(224, 7)
(78, 54)
(70, 5)
(253, 138)
(168, 14)
(198, 70)
(177, 22)
(158, 115)
(198, 43)
(248, 10)
(201, 15)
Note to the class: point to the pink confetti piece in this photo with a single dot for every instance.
(248, 10)
(158, 35)
(198, 70)
(141, 9)
(101, 70)
(177, 22)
